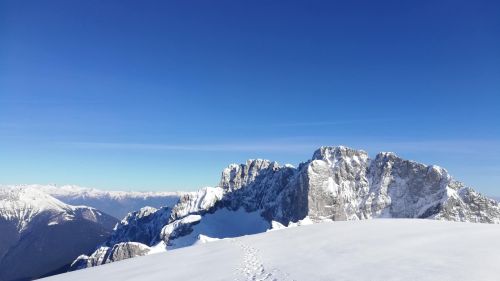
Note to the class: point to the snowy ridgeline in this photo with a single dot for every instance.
(57, 222)
(115, 203)
(370, 250)
(40, 235)
(337, 184)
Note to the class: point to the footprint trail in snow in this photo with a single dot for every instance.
(253, 268)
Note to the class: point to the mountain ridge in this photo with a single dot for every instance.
(115, 203)
(337, 183)
(34, 225)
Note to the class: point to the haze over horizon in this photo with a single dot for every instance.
(163, 96)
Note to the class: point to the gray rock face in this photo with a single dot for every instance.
(143, 226)
(103, 255)
(338, 183)
(130, 238)
(196, 202)
(235, 176)
(179, 228)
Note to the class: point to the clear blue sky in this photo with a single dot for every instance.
(164, 94)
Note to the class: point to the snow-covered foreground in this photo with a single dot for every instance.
(381, 249)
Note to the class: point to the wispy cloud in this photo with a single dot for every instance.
(491, 147)
(330, 123)
(264, 147)
(445, 146)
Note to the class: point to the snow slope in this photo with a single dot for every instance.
(222, 224)
(369, 250)
(115, 203)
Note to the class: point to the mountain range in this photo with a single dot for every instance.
(45, 227)
(115, 203)
(49, 229)
(336, 184)
(41, 235)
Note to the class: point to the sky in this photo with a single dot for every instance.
(162, 95)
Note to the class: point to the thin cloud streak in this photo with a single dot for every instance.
(445, 146)
(198, 147)
(329, 123)
(280, 145)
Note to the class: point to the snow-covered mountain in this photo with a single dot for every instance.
(40, 234)
(115, 203)
(338, 183)
(142, 232)
(368, 250)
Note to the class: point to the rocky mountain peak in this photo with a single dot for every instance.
(338, 183)
(235, 176)
(141, 213)
(335, 153)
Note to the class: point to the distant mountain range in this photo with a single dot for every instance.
(40, 235)
(115, 203)
(337, 184)
(45, 227)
